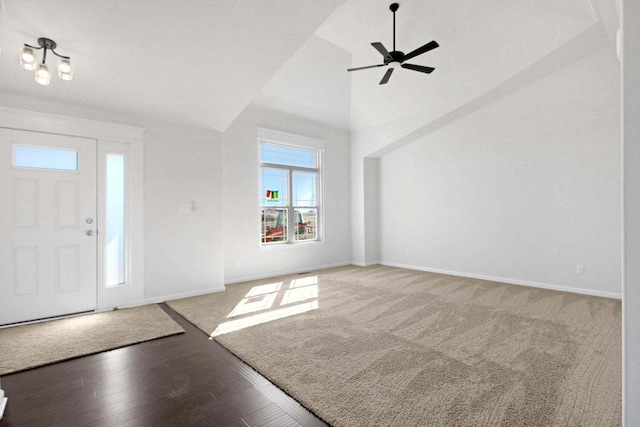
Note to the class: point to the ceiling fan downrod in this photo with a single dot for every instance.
(394, 7)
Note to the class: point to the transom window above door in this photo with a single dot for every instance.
(35, 157)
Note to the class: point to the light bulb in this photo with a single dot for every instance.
(42, 74)
(394, 64)
(27, 58)
(65, 69)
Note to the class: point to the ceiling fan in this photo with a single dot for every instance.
(395, 58)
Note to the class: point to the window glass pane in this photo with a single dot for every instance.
(274, 225)
(274, 187)
(288, 156)
(115, 220)
(26, 156)
(306, 224)
(285, 190)
(304, 188)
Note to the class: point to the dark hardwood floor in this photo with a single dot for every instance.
(182, 380)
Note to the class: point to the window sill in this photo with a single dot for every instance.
(262, 247)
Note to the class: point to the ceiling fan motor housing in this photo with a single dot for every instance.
(395, 55)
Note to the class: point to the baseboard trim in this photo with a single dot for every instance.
(365, 264)
(510, 281)
(156, 300)
(284, 272)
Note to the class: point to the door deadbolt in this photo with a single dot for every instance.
(89, 220)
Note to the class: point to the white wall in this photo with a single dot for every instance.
(358, 217)
(188, 254)
(522, 190)
(631, 141)
(365, 205)
(241, 200)
(183, 251)
(371, 183)
(311, 89)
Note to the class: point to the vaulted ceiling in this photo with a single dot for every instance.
(201, 62)
(194, 62)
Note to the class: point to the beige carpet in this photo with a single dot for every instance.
(387, 346)
(30, 346)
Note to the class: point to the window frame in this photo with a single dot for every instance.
(270, 137)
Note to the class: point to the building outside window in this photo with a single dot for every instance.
(289, 193)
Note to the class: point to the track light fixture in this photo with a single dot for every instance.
(40, 70)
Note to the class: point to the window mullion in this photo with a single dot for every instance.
(279, 166)
(290, 215)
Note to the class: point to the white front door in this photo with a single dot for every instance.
(48, 244)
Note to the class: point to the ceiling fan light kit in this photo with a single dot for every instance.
(395, 58)
(41, 73)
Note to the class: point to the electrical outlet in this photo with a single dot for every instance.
(580, 269)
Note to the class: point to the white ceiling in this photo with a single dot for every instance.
(313, 84)
(194, 62)
(201, 62)
(482, 43)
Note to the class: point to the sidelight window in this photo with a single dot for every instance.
(115, 221)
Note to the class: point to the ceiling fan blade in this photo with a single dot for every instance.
(364, 68)
(383, 50)
(386, 76)
(419, 51)
(420, 68)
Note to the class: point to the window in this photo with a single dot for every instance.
(289, 188)
(115, 220)
(32, 157)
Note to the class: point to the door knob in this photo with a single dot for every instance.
(89, 232)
